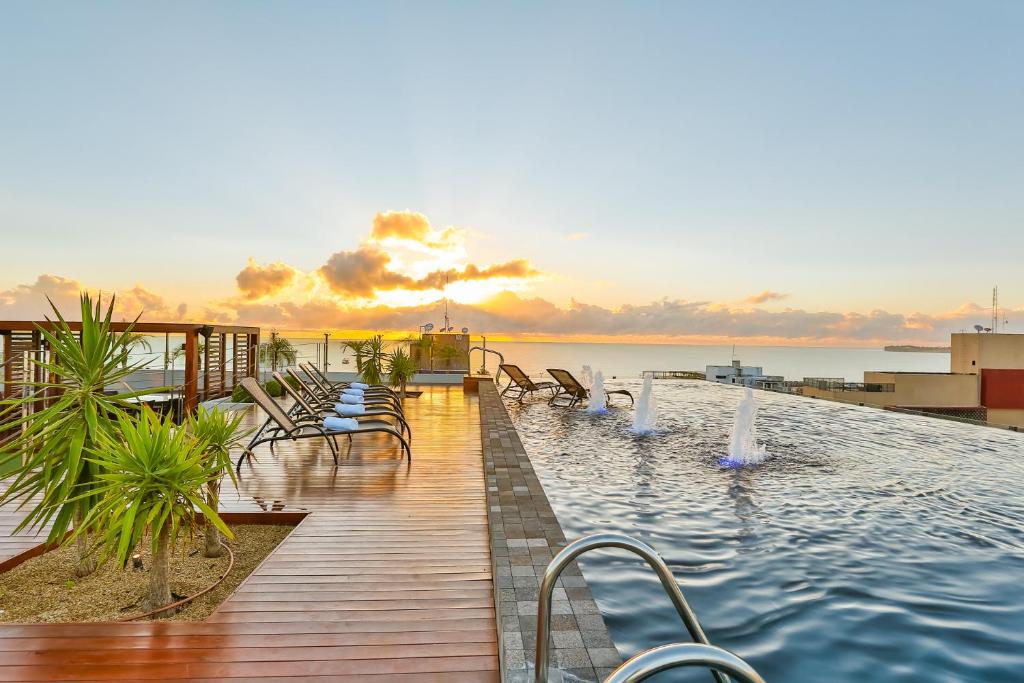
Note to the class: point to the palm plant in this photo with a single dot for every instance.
(401, 369)
(179, 351)
(220, 432)
(359, 348)
(133, 340)
(152, 477)
(276, 350)
(373, 363)
(62, 418)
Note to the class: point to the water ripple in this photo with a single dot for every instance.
(869, 546)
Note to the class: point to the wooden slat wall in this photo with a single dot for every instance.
(387, 579)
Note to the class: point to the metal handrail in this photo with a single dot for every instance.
(586, 544)
(500, 356)
(664, 657)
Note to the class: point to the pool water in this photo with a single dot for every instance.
(868, 546)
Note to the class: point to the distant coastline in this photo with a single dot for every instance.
(918, 349)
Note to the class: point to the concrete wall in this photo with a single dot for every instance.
(1006, 418)
(912, 389)
(972, 351)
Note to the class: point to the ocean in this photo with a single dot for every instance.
(630, 360)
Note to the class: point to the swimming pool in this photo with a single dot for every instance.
(869, 546)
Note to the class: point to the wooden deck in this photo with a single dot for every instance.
(387, 579)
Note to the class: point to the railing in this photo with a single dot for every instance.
(676, 655)
(583, 545)
(485, 351)
(831, 384)
(672, 374)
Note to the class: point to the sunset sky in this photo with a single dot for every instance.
(782, 172)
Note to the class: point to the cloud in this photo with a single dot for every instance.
(412, 227)
(765, 296)
(256, 281)
(367, 270)
(512, 314)
(362, 272)
(667, 320)
(29, 301)
(576, 236)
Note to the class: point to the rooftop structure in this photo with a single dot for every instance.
(742, 375)
(985, 383)
(228, 353)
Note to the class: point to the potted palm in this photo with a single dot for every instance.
(220, 431)
(62, 418)
(374, 361)
(401, 369)
(358, 348)
(276, 351)
(151, 483)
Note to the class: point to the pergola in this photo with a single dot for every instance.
(22, 343)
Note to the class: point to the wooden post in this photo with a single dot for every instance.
(253, 360)
(234, 361)
(223, 363)
(191, 400)
(7, 364)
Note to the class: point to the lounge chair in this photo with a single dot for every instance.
(315, 408)
(521, 382)
(325, 392)
(312, 370)
(279, 426)
(569, 389)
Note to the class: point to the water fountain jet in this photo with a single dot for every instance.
(598, 402)
(645, 418)
(743, 447)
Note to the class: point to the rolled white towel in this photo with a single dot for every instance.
(340, 424)
(359, 385)
(346, 410)
(353, 392)
(352, 399)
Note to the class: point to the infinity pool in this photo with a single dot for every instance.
(869, 546)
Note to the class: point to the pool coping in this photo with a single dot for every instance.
(524, 536)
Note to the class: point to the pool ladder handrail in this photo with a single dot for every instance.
(608, 540)
(675, 655)
(485, 350)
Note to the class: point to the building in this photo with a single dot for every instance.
(743, 375)
(985, 383)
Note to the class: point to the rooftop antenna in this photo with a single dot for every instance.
(446, 325)
(995, 309)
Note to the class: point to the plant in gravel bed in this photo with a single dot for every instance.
(401, 369)
(151, 480)
(220, 432)
(61, 417)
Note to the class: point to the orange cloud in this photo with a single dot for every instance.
(366, 270)
(764, 297)
(410, 226)
(256, 281)
(29, 301)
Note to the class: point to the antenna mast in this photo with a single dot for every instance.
(995, 309)
(446, 325)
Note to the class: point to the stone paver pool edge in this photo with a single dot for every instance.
(524, 536)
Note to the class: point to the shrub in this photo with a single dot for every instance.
(240, 395)
(151, 482)
(273, 387)
(54, 479)
(293, 383)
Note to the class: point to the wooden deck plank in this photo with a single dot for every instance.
(387, 578)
